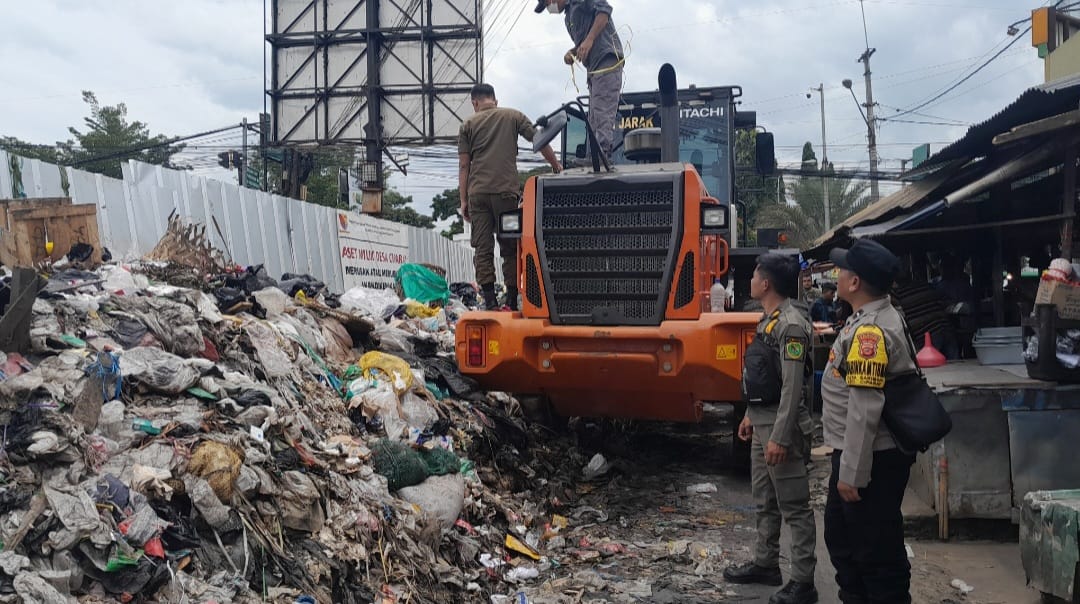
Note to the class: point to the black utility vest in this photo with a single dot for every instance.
(761, 378)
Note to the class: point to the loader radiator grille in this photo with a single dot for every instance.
(684, 292)
(532, 283)
(607, 249)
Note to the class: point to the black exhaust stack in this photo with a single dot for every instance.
(669, 114)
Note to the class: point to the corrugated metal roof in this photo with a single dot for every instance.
(1034, 104)
(905, 198)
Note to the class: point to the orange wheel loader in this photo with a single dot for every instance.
(616, 263)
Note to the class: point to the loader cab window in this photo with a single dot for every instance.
(704, 124)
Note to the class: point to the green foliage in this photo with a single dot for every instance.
(445, 205)
(752, 189)
(322, 183)
(15, 146)
(398, 208)
(107, 133)
(804, 217)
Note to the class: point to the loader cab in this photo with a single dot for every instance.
(706, 126)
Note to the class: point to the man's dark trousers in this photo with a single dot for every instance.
(866, 538)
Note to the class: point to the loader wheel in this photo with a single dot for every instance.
(539, 410)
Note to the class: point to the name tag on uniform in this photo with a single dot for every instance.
(867, 358)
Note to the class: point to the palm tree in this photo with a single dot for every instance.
(803, 215)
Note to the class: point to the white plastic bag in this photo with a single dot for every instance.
(370, 302)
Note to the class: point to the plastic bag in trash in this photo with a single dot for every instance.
(392, 339)
(422, 284)
(157, 369)
(229, 297)
(219, 465)
(291, 284)
(400, 464)
(252, 280)
(467, 293)
(382, 403)
(370, 302)
(80, 252)
(392, 369)
(417, 412)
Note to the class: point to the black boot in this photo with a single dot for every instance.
(795, 592)
(491, 301)
(752, 573)
(850, 598)
(512, 298)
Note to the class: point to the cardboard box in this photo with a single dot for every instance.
(1062, 295)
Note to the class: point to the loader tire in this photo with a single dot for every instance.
(539, 410)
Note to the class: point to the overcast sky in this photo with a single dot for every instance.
(187, 67)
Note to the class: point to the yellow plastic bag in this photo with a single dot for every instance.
(417, 310)
(379, 365)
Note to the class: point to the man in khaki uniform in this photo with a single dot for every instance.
(864, 529)
(488, 185)
(778, 425)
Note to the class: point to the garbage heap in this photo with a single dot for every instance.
(243, 439)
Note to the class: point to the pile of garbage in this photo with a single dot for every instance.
(246, 439)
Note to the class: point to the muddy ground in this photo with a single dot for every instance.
(640, 533)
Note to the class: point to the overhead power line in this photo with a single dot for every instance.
(130, 150)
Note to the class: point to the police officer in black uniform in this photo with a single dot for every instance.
(778, 425)
(864, 528)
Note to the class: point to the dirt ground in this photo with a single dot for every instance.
(640, 534)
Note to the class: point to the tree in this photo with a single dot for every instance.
(804, 216)
(398, 208)
(109, 134)
(322, 183)
(445, 205)
(751, 189)
(15, 146)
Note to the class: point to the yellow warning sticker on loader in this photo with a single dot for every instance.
(726, 352)
(493, 348)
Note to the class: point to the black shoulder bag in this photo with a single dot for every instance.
(912, 411)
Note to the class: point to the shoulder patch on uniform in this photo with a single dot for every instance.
(867, 358)
(794, 349)
(771, 326)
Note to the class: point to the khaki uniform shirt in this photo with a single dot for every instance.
(872, 347)
(490, 138)
(789, 326)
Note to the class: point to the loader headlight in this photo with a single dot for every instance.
(510, 222)
(714, 217)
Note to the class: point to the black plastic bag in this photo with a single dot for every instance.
(80, 252)
(292, 284)
(129, 332)
(228, 297)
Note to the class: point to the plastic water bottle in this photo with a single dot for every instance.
(717, 296)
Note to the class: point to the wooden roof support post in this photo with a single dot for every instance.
(1068, 203)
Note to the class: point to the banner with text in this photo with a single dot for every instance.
(371, 250)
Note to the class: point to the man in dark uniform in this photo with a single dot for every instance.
(864, 529)
(488, 185)
(778, 425)
(597, 46)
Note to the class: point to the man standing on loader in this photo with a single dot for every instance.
(488, 185)
(599, 49)
(779, 427)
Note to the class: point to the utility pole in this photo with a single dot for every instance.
(372, 176)
(243, 155)
(824, 158)
(871, 125)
